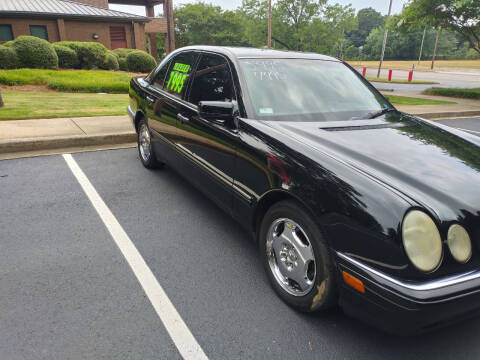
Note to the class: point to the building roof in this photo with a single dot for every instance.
(63, 9)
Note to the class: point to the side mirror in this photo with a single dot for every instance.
(220, 110)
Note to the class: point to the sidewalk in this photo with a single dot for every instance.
(50, 136)
(462, 108)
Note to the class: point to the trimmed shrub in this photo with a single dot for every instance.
(111, 62)
(90, 54)
(140, 61)
(67, 58)
(34, 52)
(122, 52)
(122, 63)
(8, 58)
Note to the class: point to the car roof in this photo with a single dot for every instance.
(248, 52)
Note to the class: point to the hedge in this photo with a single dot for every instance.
(111, 62)
(90, 54)
(33, 52)
(454, 92)
(67, 58)
(8, 58)
(140, 61)
(122, 52)
(122, 63)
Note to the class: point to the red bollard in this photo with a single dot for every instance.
(390, 75)
(410, 76)
(364, 72)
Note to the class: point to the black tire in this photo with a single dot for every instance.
(323, 294)
(149, 160)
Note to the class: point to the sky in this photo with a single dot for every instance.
(379, 5)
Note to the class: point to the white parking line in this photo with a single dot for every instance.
(176, 327)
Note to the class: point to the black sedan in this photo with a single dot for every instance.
(351, 202)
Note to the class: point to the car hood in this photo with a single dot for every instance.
(433, 165)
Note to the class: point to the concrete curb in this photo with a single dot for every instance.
(58, 142)
(451, 114)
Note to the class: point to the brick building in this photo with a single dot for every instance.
(87, 20)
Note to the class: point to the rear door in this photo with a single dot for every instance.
(207, 145)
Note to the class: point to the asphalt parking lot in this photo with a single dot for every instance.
(67, 291)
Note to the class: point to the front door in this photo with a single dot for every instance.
(164, 100)
(207, 144)
(118, 38)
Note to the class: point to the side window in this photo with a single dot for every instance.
(160, 76)
(212, 80)
(179, 73)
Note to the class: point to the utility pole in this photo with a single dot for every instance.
(435, 49)
(384, 40)
(421, 46)
(269, 35)
(1, 100)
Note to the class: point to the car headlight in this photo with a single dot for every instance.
(422, 241)
(459, 243)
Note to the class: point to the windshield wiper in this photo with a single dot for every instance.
(376, 114)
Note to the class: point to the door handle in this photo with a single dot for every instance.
(150, 99)
(183, 119)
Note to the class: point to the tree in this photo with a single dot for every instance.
(205, 24)
(303, 25)
(298, 14)
(368, 19)
(326, 33)
(461, 16)
(254, 17)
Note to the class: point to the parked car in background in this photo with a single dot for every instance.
(351, 202)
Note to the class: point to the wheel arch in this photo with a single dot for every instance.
(268, 200)
(139, 115)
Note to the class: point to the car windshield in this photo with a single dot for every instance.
(308, 90)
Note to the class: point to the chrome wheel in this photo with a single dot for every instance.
(291, 257)
(144, 143)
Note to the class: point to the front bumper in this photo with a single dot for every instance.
(408, 307)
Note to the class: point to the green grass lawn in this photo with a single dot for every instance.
(50, 104)
(69, 80)
(403, 100)
(401, 81)
(454, 92)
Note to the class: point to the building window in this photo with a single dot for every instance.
(6, 33)
(39, 31)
